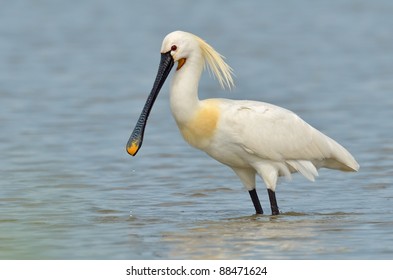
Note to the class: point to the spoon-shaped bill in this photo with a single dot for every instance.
(136, 138)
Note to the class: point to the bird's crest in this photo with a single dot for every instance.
(216, 64)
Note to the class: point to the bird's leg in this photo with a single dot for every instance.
(273, 202)
(255, 201)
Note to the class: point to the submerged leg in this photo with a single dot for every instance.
(255, 201)
(273, 202)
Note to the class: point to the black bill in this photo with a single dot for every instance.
(136, 138)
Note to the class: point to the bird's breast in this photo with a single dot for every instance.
(200, 128)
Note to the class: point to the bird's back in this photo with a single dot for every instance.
(275, 134)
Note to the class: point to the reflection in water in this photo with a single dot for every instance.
(292, 235)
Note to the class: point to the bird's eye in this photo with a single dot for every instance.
(173, 48)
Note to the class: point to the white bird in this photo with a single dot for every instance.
(248, 136)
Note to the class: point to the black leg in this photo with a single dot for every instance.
(273, 202)
(255, 201)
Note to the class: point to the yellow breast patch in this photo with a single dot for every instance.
(199, 130)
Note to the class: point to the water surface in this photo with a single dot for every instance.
(75, 75)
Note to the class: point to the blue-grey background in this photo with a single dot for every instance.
(74, 76)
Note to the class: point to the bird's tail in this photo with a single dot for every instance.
(340, 158)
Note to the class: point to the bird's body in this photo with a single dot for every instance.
(251, 137)
(256, 137)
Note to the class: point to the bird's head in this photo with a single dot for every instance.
(181, 47)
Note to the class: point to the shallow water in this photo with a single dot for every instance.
(74, 77)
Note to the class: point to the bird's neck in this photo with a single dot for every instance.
(184, 90)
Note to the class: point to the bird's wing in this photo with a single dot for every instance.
(274, 133)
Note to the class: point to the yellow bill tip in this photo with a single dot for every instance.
(133, 148)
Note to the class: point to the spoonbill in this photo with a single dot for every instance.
(248, 136)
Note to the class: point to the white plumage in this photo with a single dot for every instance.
(273, 142)
(250, 137)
